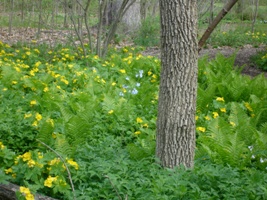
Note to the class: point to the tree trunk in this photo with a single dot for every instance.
(178, 84)
(211, 11)
(11, 17)
(255, 15)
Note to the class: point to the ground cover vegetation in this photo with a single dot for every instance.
(94, 119)
(82, 127)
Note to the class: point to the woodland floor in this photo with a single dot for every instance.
(243, 54)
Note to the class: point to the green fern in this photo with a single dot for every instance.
(223, 144)
(205, 97)
(45, 133)
(63, 147)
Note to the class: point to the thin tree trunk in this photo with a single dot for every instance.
(40, 19)
(22, 10)
(86, 21)
(211, 11)
(255, 16)
(11, 17)
(178, 83)
(126, 4)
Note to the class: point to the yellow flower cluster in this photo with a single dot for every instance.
(1, 146)
(201, 129)
(221, 99)
(54, 161)
(27, 193)
(248, 106)
(73, 163)
(48, 182)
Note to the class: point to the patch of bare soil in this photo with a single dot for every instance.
(243, 56)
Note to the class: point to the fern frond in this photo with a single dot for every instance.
(65, 112)
(205, 97)
(45, 133)
(63, 147)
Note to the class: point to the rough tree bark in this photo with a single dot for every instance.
(178, 84)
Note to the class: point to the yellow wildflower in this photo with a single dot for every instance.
(110, 112)
(123, 71)
(33, 102)
(28, 53)
(2, 146)
(220, 99)
(54, 161)
(215, 115)
(46, 89)
(196, 117)
(73, 163)
(31, 163)
(14, 82)
(35, 123)
(201, 129)
(139, 120)
(247, 105)
(207, 118)
(27, 156)
(27, 193)
(137, 132)
(223, 110)
(233, 124)
(48, 182)
(145, 125)
(38, 116)
(27, 115)
(40, 155)
(37, 64)
(113, 83)
(9, 170)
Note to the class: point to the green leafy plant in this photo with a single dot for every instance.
(260, 60)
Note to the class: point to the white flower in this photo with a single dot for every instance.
(250, 148)
(134, 91)
(263, 160)
(121, 94)
(138, 84)
(140, 74)
(127, 78)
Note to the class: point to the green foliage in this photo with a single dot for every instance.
(236, 38)
(148, 34)
(260, 60)
(108, 168)
(102, 114)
